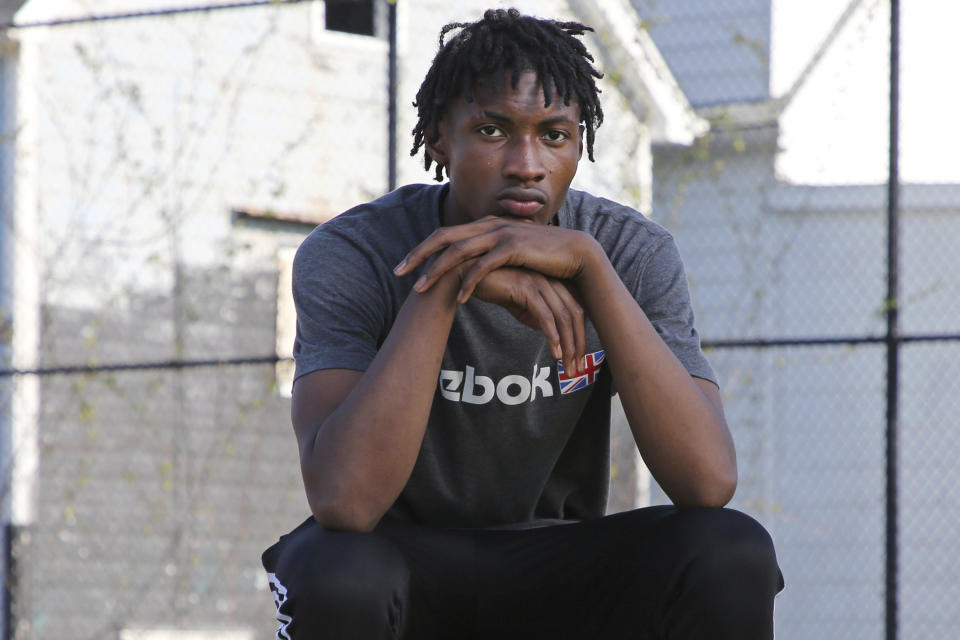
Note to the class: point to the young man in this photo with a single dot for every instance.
(456, 351)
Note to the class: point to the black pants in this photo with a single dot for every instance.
(659, 572)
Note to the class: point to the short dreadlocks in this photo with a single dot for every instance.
(506, 41)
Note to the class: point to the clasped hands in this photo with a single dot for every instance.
(531, 270)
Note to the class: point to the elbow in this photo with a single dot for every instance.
(718, 483)
(345, 515)
(718, 492)
(721, 492)
(715, 491)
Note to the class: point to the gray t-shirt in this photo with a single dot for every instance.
(510, 439)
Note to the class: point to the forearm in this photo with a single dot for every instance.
(363, 453)
(681, 434)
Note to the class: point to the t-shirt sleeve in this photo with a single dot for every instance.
(664, 296)
(340, 305)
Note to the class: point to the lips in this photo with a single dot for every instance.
(523, 203)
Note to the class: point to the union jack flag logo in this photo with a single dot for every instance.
(569, 384)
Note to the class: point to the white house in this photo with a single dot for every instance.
(157, 170)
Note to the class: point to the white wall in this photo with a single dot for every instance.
(148, 132)
(136, 139)
(146, 126)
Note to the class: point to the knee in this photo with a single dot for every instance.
(733, 548)
(727, 533)
(726, 585)
(341, 584)
(358, 571)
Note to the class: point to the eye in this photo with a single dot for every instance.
(489, 131)
(556, 135)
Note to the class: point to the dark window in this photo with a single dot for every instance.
(352, 16)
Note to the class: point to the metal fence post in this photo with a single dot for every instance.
(893, 337)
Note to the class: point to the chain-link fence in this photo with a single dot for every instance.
(829, 299)
(159, 162)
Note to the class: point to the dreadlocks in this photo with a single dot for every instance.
(505, 41)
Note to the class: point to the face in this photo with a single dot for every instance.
(507, 154)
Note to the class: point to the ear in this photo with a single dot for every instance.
(580, 144)
(438, 148)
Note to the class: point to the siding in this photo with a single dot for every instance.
(157, 490)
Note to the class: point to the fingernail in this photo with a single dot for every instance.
(421, 283)
(397, 269)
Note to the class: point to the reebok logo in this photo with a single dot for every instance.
(467, 386)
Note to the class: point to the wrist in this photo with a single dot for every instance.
(593, 260)
(442, 294)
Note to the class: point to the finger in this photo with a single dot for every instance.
(454, 255)
(547, 321)
(440, 240)
(578, 317)
(565, 322)
(481, 267)
(436, 241)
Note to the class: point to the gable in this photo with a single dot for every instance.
(8, 8)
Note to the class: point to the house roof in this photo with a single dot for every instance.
(8, 8)
(640, 72)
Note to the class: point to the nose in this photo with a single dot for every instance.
(524, 162)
